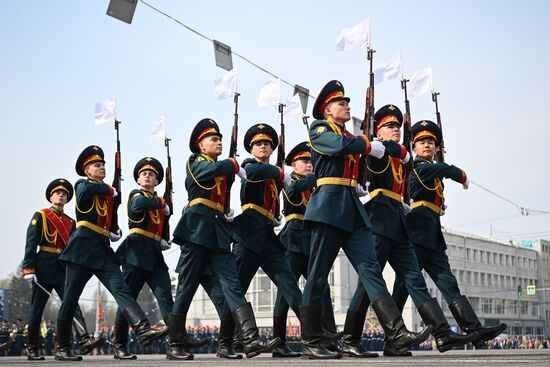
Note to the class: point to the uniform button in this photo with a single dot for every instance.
(216, 216)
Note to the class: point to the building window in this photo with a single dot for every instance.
(534, 308)
(523, 307)
(482, 278)
(486, 306)
(499, 306)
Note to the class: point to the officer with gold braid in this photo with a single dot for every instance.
(204, 236)
(48, 232)
(338, 220)
(386, 212)
(89, 253)
(295, 237)
(424, 227)
(142, 250)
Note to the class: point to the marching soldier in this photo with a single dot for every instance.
(49, 232)
(205, 237)
(424, 227)
(338, 219)
(89, 253)
(256, 244)
(386, 213)
(296, 240)
(142, 250)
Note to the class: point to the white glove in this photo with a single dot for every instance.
(466, 184)
(165, 245)
(406, 208)
(230, 216)
(166, 210)
(406, 159)
(287, 180)
(377, 149)
(115, 193)
(442, 212)
(242, 173)
(30, 277)
(277, 221)
(115, 236)
(361, 191)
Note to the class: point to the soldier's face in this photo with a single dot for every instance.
(262, 150)
(425, 148)
(302, 166)
(147, 180)
(389, 132)
(338, 111)
(95, 171)
(211, 145)
(59, 197)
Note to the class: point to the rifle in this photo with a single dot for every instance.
(117, 181)
(168, 199)
(281, 148)
(232, 152)
(407, 142)
(440, 155)
(368, 120)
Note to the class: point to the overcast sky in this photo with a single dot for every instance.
(490, 62)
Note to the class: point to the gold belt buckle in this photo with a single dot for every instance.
(219, 207)
(57, 250)
(156, 237)
(353, 183)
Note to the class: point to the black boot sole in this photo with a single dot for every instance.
(462, 342)
(480, 343)
(176, 358)
(227, 356)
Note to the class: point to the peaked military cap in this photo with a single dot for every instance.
(91, 154)
(57, 185)
(388, 114)
(300, 151)
(204, 128)
(426, 129)
(149, 164)
(331, 92)
(260, 132)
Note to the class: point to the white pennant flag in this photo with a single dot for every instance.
(389, 68)
(226, 86)
(293, 109)
(105, 111)
(420, 82)
(354, 37)
(270, 94)
(158, 131)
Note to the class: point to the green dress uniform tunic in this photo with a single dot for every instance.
(385, 210)
(335, 214)
(256, 244)
(89, 252)
(205, 236)
(140, 251)
(424, 227)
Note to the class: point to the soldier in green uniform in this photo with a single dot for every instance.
(89, 253)
(385, 209)
(142, 250)
(204, 236)
(296, 240)
(48, 232)
(424, 227)
(338, 220)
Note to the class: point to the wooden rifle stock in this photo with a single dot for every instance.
(168, 192)
(232, 153)
(440, 155)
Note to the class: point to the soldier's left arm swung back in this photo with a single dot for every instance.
(34, 237)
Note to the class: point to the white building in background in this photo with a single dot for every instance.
(488, 272)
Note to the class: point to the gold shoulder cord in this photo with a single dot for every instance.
(130, 219)
(437, 182)
(335, 129)
(294, 204)
(50, 237)
(380, 172)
